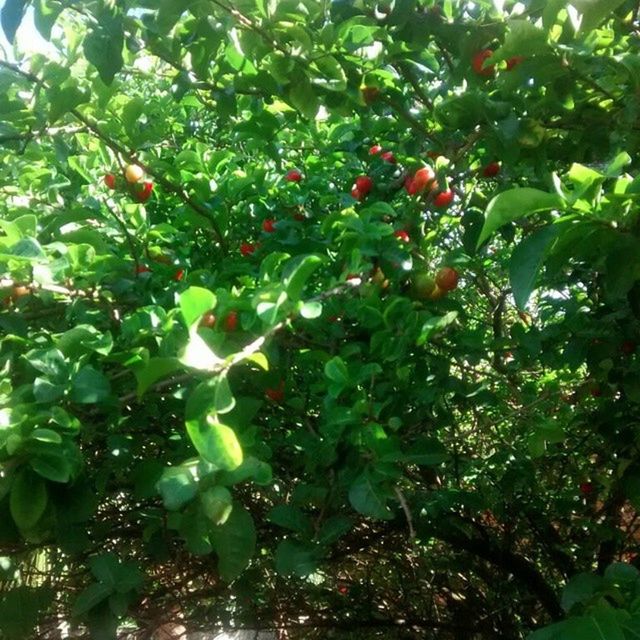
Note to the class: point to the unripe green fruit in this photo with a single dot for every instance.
(216, 504)
(423, 285)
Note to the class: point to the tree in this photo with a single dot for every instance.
(321, 317)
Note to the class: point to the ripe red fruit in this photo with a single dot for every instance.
(443, 199)
(231, 321)
(269, 225)
(179, 274)
(276, 395)
(370, 94)
(246, 248)
(477, 63)
(142, 268)
(491, 170)
(343, 589)
(628, 347)
(293, 176)
(375, 150)
(410, 185)
(364, 184)
(514, 62)
(144, 193)
(447, 279)
(402, 235)
(355, 193)
(208, 320)
(110, 180)
(423, 177)
(586, 488)
(388, 156)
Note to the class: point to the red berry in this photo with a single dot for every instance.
(388, 156)
(110, 180)
(353, 276)
(269, 225)
(477, 63)
(370, 94)
(231, 321)
(208, 320)
(277, 395)
(144, 193)
(364, 184)
(411, 186)
(179, 274)
(293, 176)
(447, 279)
(142, 268)
(375, 150)
(443, 199)
(246, 248)
(402, 235)
(355, 193)
(628, 347)
(514, 62)
(343, 589)
(491, 170)
(586, 488)
(423, 177)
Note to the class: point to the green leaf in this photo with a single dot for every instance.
(434, 325)
(28, 499)
(336, 370)
(250, 469)
(212, 396)
(526, 260)
(368, 498)
(194, 303)
(290, 517)
(103, 50)
(64, 99)
(514, 204)
(580, 589)
(216, 504)
(594, 12)
(329, 74)
(294, 559)
(52, 467)
(311, 310)
(92, 596)
(303, 97)
(215, 442)
(177, 487)
(234, 543)
(297, 272)
(11, 17)
(153, 370)
(89, 386)
(198, 355)
(21, 609)
(45, 16)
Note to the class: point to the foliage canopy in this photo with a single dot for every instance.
(232, 392)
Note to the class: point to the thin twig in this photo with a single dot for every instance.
(407, 512)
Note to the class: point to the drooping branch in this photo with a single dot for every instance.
(130, 156)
